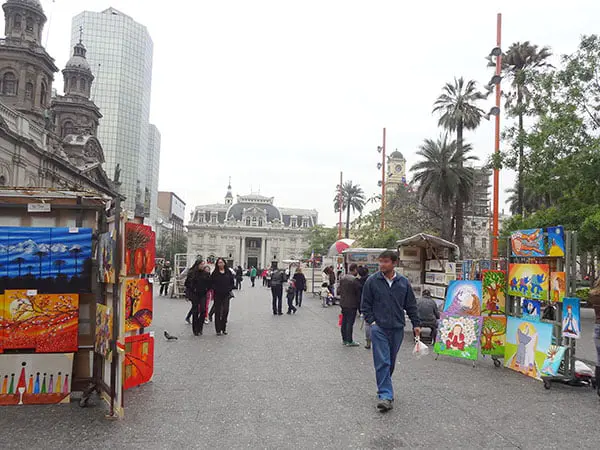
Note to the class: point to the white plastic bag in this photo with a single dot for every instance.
(420, 348)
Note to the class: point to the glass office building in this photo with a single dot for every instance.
(119, 51)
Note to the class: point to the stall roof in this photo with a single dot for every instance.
(359, 250)
(425, 240)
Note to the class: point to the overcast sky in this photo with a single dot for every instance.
(282, 95)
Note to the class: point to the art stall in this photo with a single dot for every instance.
(428, 262)
(368, 257)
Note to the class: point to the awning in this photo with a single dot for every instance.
(427, 240)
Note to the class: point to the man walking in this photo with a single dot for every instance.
(349, 292)
(277, 290)
(428, 313)
(386, 296)
(253, 275)
(165, 278)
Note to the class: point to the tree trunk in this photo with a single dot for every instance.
(348, 220)
(520, 187)
(459, 211)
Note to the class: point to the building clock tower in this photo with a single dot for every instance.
(396, 171)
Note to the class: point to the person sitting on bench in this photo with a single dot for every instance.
(428, 313)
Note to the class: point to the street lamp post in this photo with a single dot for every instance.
(340, 205)
(497, 52)
(381, 183)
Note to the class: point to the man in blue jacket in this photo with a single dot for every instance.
(386, 295)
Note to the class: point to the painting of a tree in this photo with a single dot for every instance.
(140, 249)
(493, 336)
(59, 263)
(40, 254)
(19, 262)
(75, 251)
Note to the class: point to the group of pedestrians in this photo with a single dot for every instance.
(294, 292)
(198, 285)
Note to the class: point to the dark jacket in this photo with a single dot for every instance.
(349, 292)
(239, 274)
(386, 305)
(165, 274)
(197, 285)
(300, 281)
(291, 292)
(222, 283)
(277, 278)
(428, 310)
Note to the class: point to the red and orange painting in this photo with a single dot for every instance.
(139, 360)
(44, 323)
(138, 303)
(140, 249)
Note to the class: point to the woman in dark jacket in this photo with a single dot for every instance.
(197, 285)
(239, 276)
(222, 283)
(300, 283)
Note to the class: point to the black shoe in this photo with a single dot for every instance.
(218, 333)
(224, 333)
(289, 312)
(274, 313)
(294, 311)
(280, 313)
(385, 405)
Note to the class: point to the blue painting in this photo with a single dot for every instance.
(463, 298)
(531, 310)
(50, 260)
(528, 243)
(556, 241)
(571, 322)
(553, 359)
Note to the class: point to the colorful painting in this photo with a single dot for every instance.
(139, 360)
(44, 323)
(556, 241)
(140, 249)
(138, 303)
(528, 243)
(106, 258)
(553, 359)
(103, 334)
(558, 286)
(531, 310)
(527, 344)
(35, 379)
(494, 292)
(529, 281)
(463, 298)
(52, 260)
(493, 335)
(458, 336)
(571, 322)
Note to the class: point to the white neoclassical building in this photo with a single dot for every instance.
(251, 232)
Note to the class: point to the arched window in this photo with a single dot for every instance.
(67, 128)
(9, 84)
(82, 85)
(29, 25)
(29, 91)
(248, 221)
(43, 94)
(73, 84)
(18, 22)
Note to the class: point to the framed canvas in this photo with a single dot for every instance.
(439, 292)
(410, 253)
(103, 333)
(529, 281)
(552, 362)
(493, 335)
(494, 292)
(458, 336)
(138, 303)
(531, 310)
(558, 286)
(106, 258)
(571, 322)
(528, 243)
(140, 249)
(556, 241)
(527, 344)
(463, 298)
(139, 360)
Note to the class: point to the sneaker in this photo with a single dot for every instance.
(385, 405)
(218, 333)
(188, 321)
(353, 344)
(206, 321)
(344, 343)
(368, 346)
(224, 333)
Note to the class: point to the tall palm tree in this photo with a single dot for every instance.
(353, 198)
(59, 263)
(75, 251)
(442, 174)
(40, 254)
(458, 112)
(520, 59)
(19, 261)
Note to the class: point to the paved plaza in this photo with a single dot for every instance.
(287, 382)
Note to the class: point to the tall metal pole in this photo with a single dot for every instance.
(383, 183)
(340, 205)
(497, 140)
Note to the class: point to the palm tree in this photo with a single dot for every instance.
(353, 198)
(442, 175)
(75, 251)
(459, 112)
(19, 261)
(59, 263)
(40, 254)
(520, 59)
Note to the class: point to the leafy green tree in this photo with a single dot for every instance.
(353, 198)
(320, 239)
(459, 111)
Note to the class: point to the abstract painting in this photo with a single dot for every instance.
(458, 336)
(52, 260)
(529, 281)
(528, 243)
(139, 360)
(556, 241)
(558, 286)
(35, 379)
(44, 323)
(494, 292)
(140, 249)
(138, 303)
(106, 258)
(493, 335)
(104, 326)
(463, 298)
(531, 310)
(527, 344)
(553, 359)
(571, 322)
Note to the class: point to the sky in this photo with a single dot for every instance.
(282, 95)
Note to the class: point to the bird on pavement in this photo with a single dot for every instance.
(168, 337)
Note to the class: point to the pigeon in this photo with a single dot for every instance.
(168, 337)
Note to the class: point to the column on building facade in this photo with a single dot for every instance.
(243, 252)
(263, 242)
(265, 260)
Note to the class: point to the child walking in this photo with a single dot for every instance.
(291, 295)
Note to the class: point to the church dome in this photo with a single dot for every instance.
(257, 207)
(397, 155)
(33, 3)
(78, 60)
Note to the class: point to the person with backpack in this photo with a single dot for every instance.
(277, 277)
(164, 277)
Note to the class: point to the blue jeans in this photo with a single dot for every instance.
(386, 344)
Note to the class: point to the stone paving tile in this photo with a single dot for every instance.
(287, 382)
